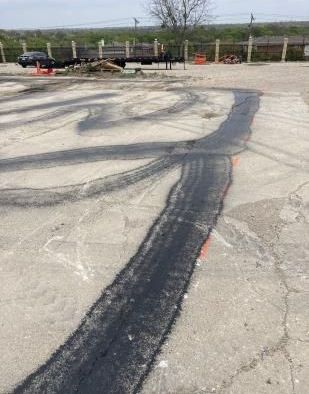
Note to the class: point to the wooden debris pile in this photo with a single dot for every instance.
(103, 65)
(96, 65)
(230, 59)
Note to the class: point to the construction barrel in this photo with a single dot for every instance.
(200, 59)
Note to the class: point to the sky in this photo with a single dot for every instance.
(22, 14)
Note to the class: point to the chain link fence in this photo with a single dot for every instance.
(260, 52)
(298, 52)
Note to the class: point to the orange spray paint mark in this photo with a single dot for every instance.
(235, 161)
(205, 249)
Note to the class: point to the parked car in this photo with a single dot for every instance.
(31, 59)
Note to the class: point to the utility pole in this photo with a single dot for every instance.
(252, 19)
(136, 22)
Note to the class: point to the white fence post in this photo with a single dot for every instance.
(217, 55)
(49, 50)
(186, 51)
(100, 50)
(250, 45)
(127, 49)
(2, 53)
(24, 46)
(156, 48)
(74, 50)
(284, 50)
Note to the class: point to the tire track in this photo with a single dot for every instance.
(29, 197)
(92, 154)
(187, 100)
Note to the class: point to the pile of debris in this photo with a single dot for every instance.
(101, 65)
(230, 59)
(86, 65)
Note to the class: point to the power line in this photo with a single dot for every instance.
(116, 22)
(236, 18)
(264, 19)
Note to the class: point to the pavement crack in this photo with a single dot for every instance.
(282, 344)
(300, 340)
(301, 186)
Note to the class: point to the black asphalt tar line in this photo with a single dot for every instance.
(114, 347)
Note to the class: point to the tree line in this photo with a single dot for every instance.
(198, 34)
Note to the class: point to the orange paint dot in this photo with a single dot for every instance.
(205, 249)
(235, 161)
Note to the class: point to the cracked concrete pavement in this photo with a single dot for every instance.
(244, 323)
(244, 326)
